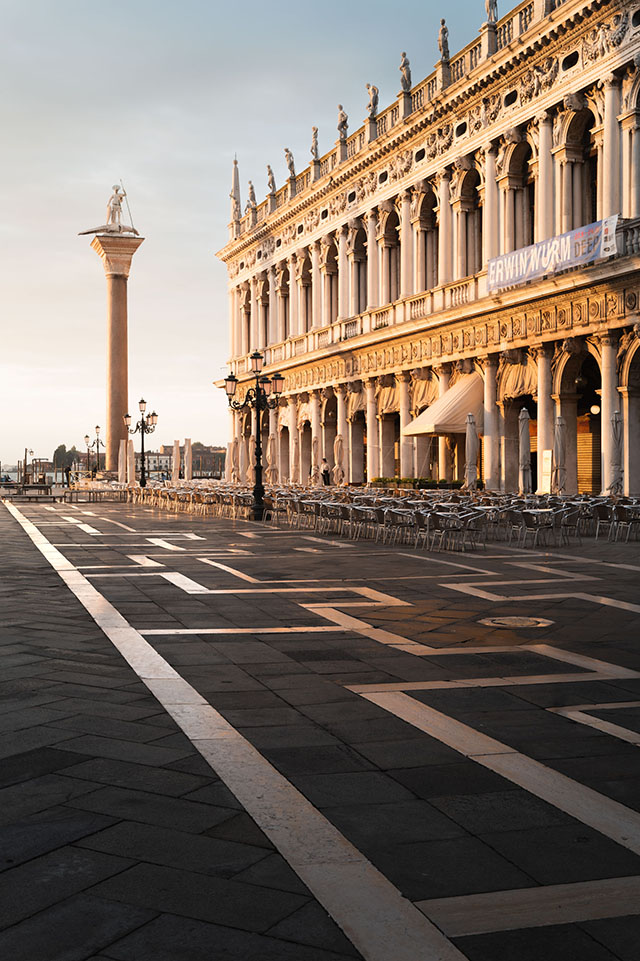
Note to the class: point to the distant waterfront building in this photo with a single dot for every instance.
(436, 252)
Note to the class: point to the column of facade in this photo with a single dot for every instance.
(444, 229)
(611, 148)
(406, 246)
(293, 297)
(354, 280)
(491, 440)
(544, 180)
(245, 318)
(316, 286)
(340, 390)
(233, 322)
(543, 355)
(343, 273)
(403, 381)
(418, 240)
(371, 219)
(444, 457)
(254, 336)
(384, 265)
(294, 441)
(272, 324)
(316, 433)
(630, 134)
(609, 402)
(282, 291)
(326, 269)
(490, 213)
(372, 430)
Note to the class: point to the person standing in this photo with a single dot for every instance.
(325, 473)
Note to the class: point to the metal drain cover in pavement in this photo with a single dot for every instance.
(515, 622)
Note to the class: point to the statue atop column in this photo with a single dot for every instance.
(405, 70)
(372, 106)
(342, 123)
(443, 40)
(491, 7)
(315, 152)
(271, 180)
(288, 156)
(252, 202)
(114, 223)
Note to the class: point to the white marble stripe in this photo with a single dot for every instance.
(347, 622)
(538, 907)
(601, 813)
(143, 561)
(229, 570)
(246, 630)
(606, 727)
(160, 542)
(379, 921)
(581, 660)
(520, 680)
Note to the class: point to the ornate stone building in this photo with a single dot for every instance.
(375, 280)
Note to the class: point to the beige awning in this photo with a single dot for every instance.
(448, 414)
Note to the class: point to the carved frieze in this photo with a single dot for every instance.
(605, 37)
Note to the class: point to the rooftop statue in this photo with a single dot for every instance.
(342, 123)
(271, 180)
(372, 106)
(491, 6)
(405, 70)
(114, 223)
(315, 153)
(252, 196)
(288, 156)
(443, 40)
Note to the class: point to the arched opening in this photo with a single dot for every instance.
(581, 202)
(579, 403)
(283, 301)
(357, 452)
(427, 244)
(329, 267)
(389, 444)
(470, 226)
(390, 260)
(358, 279)
(630, 410)
(305, 452)
(283, 452)
(522, 195)
(304, 293)
(329, 424)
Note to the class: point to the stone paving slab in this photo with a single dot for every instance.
(159, 859)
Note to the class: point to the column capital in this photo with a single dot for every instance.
(403, 377)
(612, 81)
(487, 360)
(116, 252)
(340, 390)
(541, 350)
(443, 369)
(609, 338)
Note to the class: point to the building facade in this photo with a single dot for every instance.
(369, 279)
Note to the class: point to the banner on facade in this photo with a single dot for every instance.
(582, 246)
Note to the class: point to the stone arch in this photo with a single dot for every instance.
(471, 214)
(577, 386)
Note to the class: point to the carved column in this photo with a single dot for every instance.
(314, 417)
(403, 381)
(445, 240)
(282, 291)
(543, 355)
(406, 245)
(544, 181)
(444, 455)
(372, 430)
(272, 326)
(234, 326)
(294, 440)
(491, 440)
(255, 315)
(490, 205)
(611, 148)
(372, 259)
(630, 126)
(316, 286)
(293, 297)
(343, 274)
(340, 390)
(609, 402)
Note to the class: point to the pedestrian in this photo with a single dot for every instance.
(67, 474)
(325, 472)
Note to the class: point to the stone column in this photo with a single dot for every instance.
(567, 407)
(372, 430)
(444, 457)
(419, 257)
(272, 327)
(491, 442)
(543, 355)
(611, 148)
(630, 408)
(490, 205)
(386, 455)
(372, 259)
(233, 326)
(343, 274)
(609, 401)
(282, 296)
(444, 231)
(293, 438)
(566, 170)
(340, 390)
(314, 417)
(403, 381)
(406, 245)
(544, 182)
(293, 297)
(254, 342)
(316, 286)
(116, 253)
(635, 170)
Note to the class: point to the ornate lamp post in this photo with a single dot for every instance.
(256, 398)
(87, 444)
(146, 425)
(97, 444)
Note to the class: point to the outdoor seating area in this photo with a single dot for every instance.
(434, 520)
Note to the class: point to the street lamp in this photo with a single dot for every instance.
(97, 444)
(146, 425)
(256, 398)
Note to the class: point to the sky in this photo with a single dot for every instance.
(162, 94)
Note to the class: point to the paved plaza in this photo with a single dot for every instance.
(225, 741)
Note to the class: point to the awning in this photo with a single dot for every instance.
(448, 415)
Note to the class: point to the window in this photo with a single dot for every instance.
(351, 197)
(383, 177)
(420, 155)
(461, 129)
(510, 98)
(571, 60)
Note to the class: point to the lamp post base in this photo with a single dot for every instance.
(257, 511)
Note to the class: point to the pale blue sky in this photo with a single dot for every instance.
(161, 94)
